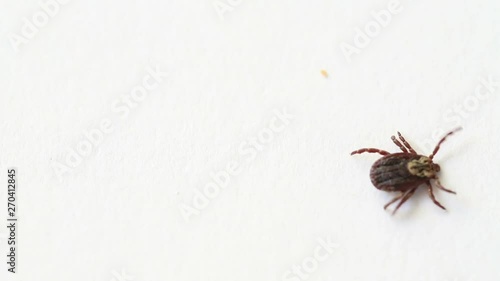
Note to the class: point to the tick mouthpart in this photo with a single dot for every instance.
(436, 167)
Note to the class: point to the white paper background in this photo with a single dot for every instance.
(116, 215)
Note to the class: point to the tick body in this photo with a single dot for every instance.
(405, 171)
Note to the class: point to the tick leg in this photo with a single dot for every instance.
(438, 184)
(394, 200)
(436, 149)
(406, 143)
(407, 196)
(393, 138)
(431, 194)
(370, 150)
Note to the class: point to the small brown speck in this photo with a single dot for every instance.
(324, 73)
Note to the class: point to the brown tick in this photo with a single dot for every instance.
(405, 171)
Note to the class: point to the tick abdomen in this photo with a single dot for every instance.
(391, 173)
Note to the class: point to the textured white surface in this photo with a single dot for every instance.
(117, 215)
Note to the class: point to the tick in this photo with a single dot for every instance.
(405, 171)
